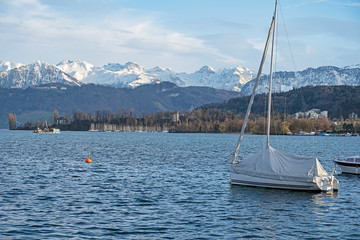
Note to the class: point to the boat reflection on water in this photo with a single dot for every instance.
(242, 193)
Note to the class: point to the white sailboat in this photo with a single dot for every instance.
(272, 168)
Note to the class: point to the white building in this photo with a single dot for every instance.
(312, 114)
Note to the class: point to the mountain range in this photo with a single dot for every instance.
(322, 76)
(132, 75)
(129, 75)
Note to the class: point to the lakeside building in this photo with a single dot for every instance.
(312, 114)
(353, 115)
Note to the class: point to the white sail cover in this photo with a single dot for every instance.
(275, 164)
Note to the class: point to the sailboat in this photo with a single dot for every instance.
(272, 168)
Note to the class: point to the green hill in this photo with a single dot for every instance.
(337, 100)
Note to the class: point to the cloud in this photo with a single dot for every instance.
(341, 2)
(105, 31)
(352, 4)
(42, 32)
(327, 26)
(310, 50)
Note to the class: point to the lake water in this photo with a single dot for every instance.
(163, 186)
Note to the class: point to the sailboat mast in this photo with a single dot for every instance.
(254, 91)
(271, 75)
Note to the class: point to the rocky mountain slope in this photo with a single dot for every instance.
(322, 76)
(22, 76)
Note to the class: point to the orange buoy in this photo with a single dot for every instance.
(88, 160)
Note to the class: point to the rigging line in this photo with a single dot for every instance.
(283, 125)
(294, 66)
(288, 41)
(292, 57)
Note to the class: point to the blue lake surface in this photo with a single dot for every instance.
(163, 186)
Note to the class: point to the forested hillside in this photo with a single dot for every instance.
(39, 102)
(337, 100)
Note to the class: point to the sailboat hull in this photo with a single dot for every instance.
(251, 181)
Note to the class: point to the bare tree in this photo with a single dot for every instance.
(56, 116)
(12, 121)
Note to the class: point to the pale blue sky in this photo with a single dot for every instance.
(183, 35)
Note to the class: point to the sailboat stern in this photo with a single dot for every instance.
(335, 184)
(327, 183)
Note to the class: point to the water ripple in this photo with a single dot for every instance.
(161, 186)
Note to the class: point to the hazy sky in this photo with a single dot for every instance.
(183, 35)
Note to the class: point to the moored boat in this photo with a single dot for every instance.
(38, 130)
(272, 168)
(349, 165)
(47, 130)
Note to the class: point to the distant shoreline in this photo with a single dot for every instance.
(180, 132)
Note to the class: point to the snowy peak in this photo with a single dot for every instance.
(6, 66)
(35, 74)
(206, 70)
(352, 66)
(243, 70)
(229, 79)
(157, 69)
(78, 63)
(78, 69)
(245, 75)
(128, 68)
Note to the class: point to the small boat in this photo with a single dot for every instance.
(47, 130)
(38, 130)
(349, 165)
(54, 130)
(272, 168)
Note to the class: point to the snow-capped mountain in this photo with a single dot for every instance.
(35, 74)
(133, 75)
(77, 69)
(322, 76)
(6, 66)
(113, 74)
(129, 75)
(229, 79)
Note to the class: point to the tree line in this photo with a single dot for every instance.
(202, 120)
